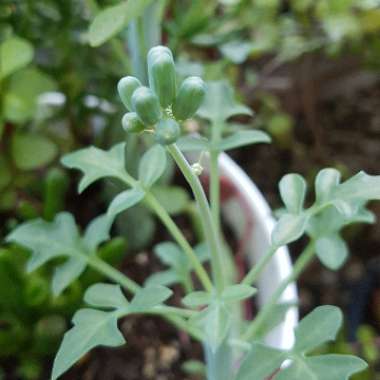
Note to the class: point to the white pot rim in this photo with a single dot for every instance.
(248, 202)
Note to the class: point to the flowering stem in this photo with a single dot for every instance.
(206, 218)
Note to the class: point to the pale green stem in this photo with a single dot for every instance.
(205, 214)
(182, 242)
(254, 273)
(215, 190)
(176, 233)
(304, 259)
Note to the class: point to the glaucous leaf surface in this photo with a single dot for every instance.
(105, 296)
(198, 298)
(293, 191)
(96, 163)
(48, 240)
(289, 228)
(91, 328)
(219, 103)
(152, 165)
(318, 327)
(260, 362)
(148, 297)
(124, 201)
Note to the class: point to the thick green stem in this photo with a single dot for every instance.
(304, 259)
(218, 362)
(215, 190)
(254, 273)
(205, 214)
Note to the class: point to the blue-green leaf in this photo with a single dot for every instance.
(325, 182)
(289, 228)
(124, 201)
(239, 292)
(326, 367)
(152, 165)
(198, 298)
(97, 232)
(260, 362)
(66, 273)
(105, 296)
(91, 328)
(47, 240)
(293, 191)
(320, 326)
(148, 297)
(96, 163)
(332, 250)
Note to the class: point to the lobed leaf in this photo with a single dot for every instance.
(91, 328)
(96, 163)
(47, 240)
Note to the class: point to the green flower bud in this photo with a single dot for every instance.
(146, 105)
(131, 123)
(125, 87)
(167, 131)
(190, 97)
(162, 77)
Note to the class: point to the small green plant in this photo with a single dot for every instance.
(234, 347)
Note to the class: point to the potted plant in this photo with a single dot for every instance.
(209, 310)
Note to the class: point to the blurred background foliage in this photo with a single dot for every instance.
(58, 72)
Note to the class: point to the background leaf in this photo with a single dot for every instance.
(25, 146)
(15, 53)
(112, 20)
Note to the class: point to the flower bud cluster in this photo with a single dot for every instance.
(160, 106)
